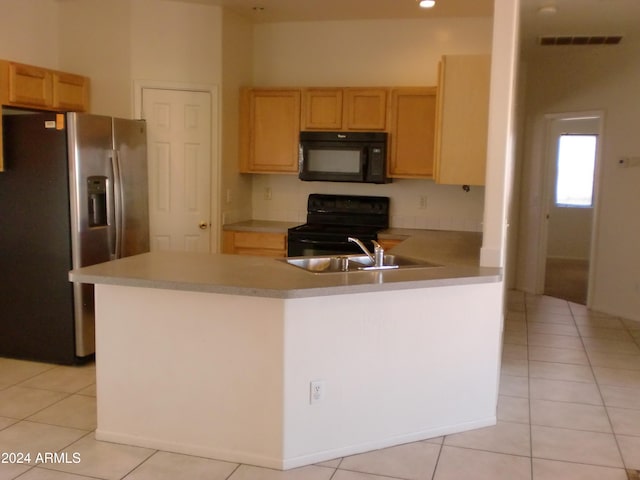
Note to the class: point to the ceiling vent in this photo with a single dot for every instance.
(580, 40)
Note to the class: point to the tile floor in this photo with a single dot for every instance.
(569, 408)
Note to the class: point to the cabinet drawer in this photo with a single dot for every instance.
(260, 241)
(261, 252)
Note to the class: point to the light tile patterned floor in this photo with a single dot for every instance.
(569, 408)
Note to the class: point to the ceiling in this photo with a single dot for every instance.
(580, 18)
(318, 10)
(573, 17)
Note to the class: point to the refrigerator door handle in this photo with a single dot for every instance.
(114, 202)
(111, 207)
(118, 203)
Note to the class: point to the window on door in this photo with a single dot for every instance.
(576, 166)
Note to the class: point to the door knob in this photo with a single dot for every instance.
(203, 225)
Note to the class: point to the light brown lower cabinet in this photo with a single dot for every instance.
(265, 244)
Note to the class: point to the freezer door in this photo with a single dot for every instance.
(36, 303)
(92, 205)
(130, 144)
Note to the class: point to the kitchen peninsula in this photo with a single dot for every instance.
(220, 355)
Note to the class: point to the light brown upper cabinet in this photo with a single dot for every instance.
(411, 132)
(462, 119)
(365, 108)
(70, 92)
(36, 87)
(344, 108)
(28, 86)
(322, 109)
(269, 130)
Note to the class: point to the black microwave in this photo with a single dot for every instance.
(343, 157)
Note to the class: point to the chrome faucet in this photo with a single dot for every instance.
(377, 257)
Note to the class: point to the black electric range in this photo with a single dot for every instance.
(332, 219)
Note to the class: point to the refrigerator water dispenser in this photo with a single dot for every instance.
(97, 193)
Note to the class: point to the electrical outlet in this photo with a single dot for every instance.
(317, 390)
(423, 202)
(267, 193)
(228, 195)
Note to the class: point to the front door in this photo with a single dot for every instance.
(179, 151)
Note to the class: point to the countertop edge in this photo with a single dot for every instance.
(492, 276)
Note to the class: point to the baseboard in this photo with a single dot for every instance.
(190, 449)
(293, 462)
(323, 456)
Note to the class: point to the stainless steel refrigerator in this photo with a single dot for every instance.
(74, 193)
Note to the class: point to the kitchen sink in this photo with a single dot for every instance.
(341, 263)
(354, 263)
(391, 261)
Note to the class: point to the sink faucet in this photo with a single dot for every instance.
(377, 257)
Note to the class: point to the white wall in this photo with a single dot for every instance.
(448, 207)
(117, 42)
(367, 53)
(237, 71)
(502, 133)
(575, 79)
(363, 53)
(29, 32)
(176, 42)
(383, 355)
(95, 40)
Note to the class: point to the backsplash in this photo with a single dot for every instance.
(414, 203)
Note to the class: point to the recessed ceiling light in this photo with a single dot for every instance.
(427, 3)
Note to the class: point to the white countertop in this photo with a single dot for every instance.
(266, 277)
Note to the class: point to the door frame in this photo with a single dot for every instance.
(547, 192)
(215, 219)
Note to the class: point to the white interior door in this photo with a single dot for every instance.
(179, 150)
